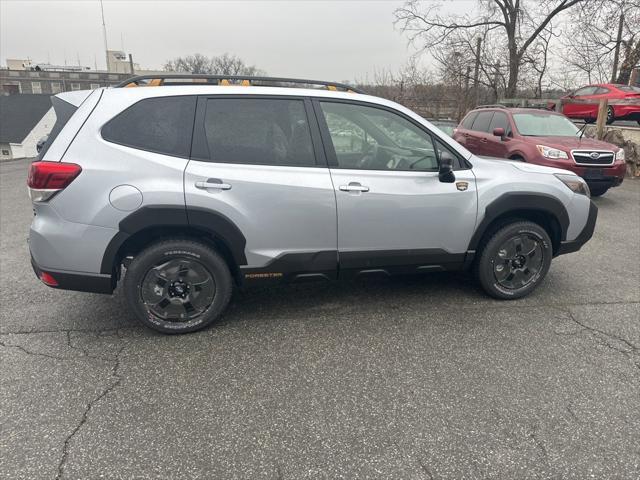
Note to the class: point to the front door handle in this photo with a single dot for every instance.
(354, 187)
(213, 183)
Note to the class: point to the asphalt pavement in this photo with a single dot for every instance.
(406, 378)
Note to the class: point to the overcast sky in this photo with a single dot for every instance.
(327, 39)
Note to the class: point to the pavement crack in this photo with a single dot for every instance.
(31, 352)
(115, 373)
(539, 444)
(425, 469)
(631, 349)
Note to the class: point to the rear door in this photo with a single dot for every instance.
(393, 212)
(479, 135)
(257, 161)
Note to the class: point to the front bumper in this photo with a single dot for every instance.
(569, 246)
(79, 281)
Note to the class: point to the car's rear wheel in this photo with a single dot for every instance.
(598, 191)
(589, 120)
(178, 286)
(514, 260)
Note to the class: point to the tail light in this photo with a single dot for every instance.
(48, 178)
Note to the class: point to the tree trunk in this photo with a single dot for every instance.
(631, 59)
(512, 85)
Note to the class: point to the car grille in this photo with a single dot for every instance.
(593, 157)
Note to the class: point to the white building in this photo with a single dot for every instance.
(24, 119)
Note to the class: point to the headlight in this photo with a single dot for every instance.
(553, 153)
(574, 183)
(620, 155)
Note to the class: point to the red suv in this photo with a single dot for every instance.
(544, 138)
(624, 102)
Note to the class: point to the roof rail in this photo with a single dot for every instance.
(492, 106)
(196, 78)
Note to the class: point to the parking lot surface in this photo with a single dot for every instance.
(406, 378)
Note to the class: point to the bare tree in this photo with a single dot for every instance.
(224, 64)
(518, 23)
(604, 41)
(196, 63)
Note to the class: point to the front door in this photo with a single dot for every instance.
(254, 164)
(394, 214)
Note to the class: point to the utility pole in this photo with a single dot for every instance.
(476, 73)
(104, 34)
(131, 64)
(616, 54)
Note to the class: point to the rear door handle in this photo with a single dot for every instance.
(483, 140)
(215, 183)
(354, 187)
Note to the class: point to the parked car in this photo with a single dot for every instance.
(447, 126)
(624, 102)
(542, 138)
(190, 190)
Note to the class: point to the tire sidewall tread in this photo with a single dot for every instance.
(484, 266)
(175, 248)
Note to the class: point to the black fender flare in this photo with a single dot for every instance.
(158, 216)
(521, 201)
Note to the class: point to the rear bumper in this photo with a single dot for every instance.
(79, 281)
(584, 236)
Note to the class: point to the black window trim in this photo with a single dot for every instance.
(136, 147)
(332, 159)
(200, 148)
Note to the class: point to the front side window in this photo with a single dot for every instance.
(371, 138)
(258, 131)
(162, 125)
(499, 120)
(585, 91)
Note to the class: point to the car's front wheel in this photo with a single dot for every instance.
(178, 286)
(514, 260)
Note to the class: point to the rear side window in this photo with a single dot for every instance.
(258, 131)
(64, 111)
(162, 125)
(467, 123)
(482, 122)
(499, 120)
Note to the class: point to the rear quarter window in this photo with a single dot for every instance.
(162, 125)
(467, 123)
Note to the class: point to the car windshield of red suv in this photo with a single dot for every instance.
(544, 125)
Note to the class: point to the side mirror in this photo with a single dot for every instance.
(445, 171)
(499, 132)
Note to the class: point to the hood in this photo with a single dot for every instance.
(522, 166)
(574, 143)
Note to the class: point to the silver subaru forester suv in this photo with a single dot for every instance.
(186, 187)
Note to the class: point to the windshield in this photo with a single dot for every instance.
(541, 125)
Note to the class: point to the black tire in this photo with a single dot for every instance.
(517, 158)
(598, 191)
(589, 120)
(533, 268)
(190, 281)
(610, 115)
